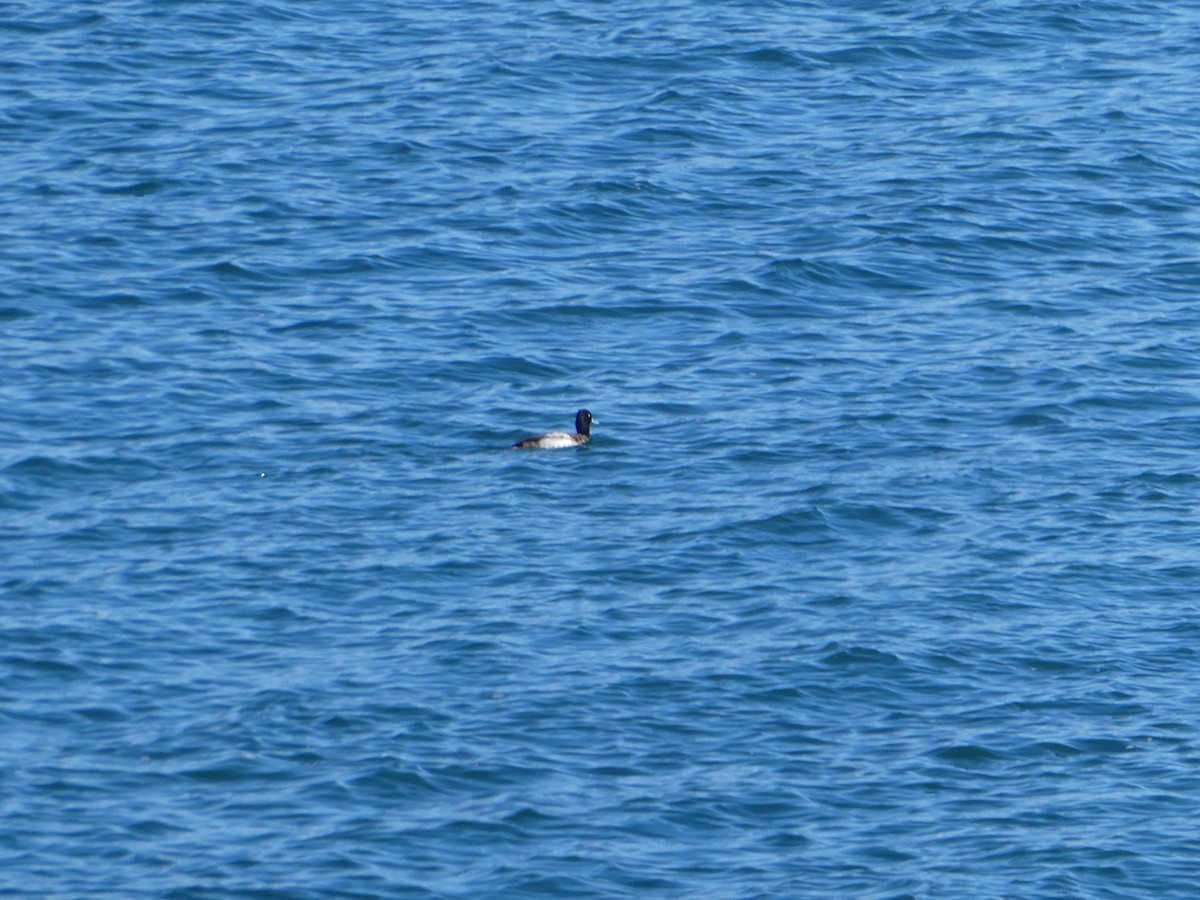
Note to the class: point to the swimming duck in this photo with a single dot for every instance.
(555, 439)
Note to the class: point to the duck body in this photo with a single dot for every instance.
(555, 440)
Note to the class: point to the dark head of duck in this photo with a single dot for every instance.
(583, 422)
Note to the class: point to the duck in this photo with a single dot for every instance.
(554, 440)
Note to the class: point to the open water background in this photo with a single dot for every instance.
(879, 578)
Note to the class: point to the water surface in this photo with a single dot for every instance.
(877, 579)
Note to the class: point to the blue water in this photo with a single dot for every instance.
(878, 579)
